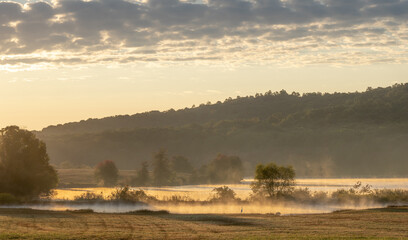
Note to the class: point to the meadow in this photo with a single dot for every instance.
(383, 223)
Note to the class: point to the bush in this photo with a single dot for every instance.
(177, 199)
(390, 196)
(89, 196)
(126, 194)
(7, 198)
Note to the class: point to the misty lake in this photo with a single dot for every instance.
(243, 190)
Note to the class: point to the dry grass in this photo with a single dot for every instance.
(389, 223)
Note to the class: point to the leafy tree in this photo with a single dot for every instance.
(224, 194)
(224, 169)
(162, 174)
(181, 164)
(24, 164)
(107, 173)
(143, 177)
(273, 180)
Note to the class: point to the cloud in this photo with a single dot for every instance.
(73, 32)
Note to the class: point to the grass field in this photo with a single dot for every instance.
(388, 223)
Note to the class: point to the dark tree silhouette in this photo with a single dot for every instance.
(273, 180)
(162, 174)
(224, 169)
(107, 173)
(181, 164)
(24, 164)
(142, 178)
(320, 134)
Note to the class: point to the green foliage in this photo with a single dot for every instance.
(224, 194)
(107, 173)
(24, 164)
(273, 180)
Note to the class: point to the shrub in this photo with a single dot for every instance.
(126, 194)
(89, 196)
(7, 198)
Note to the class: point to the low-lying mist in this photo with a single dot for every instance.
(260, 208)
(323, 196)
(201, 208)
(100, 207)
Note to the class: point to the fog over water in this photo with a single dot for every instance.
(204, 192)
(243, 190)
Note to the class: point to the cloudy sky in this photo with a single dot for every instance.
(67, 60)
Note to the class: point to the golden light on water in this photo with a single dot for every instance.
(243, 191)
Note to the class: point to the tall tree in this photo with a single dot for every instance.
(107, 173)
(24, 164)
(224, 169)
(162, 174)
(142, 178)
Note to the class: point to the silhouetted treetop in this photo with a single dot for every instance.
(365, 106)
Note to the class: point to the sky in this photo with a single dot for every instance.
(69, 60)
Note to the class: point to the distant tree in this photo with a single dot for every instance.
(143, 177)
(107, 173)
(181, 164)
(224, 193)
(162, 174)
(224, 169)
(273, 180)
(24, 164)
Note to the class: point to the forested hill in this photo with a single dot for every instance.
(373, 106)
(331, 135)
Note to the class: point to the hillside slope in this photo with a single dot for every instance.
(340, 134)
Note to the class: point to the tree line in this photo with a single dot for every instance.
(320, 134)
(176, 170)
(26, 172)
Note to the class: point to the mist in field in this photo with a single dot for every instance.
(198, 197)
(278, 208)
(260, 208)
(102, 207)
(243, 190)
